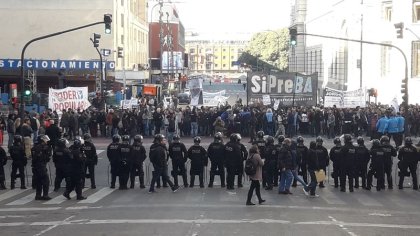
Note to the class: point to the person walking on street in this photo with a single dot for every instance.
(257, 177)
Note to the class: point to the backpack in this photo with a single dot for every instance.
(250, 167)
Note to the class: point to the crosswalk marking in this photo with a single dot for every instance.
(24, 200)
(60, 199)
(11, 193)
(98, 195)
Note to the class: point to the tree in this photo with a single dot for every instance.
(268, 49)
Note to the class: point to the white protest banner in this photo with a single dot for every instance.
(195, 84)
(70, 97)
(266, 100)
(276, 104)
(129, 104)
(214, 99)
(345, 99)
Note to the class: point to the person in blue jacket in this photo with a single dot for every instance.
(382, 126)
(393, 129)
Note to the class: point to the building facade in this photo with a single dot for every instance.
(349, 65)
(24, 20)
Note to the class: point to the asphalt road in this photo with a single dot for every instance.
(208, 211)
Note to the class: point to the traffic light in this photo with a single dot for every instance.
(120, 52)
(95, 40)
(400, 29)
(27, 90)
(108, 21)
(293, 34)
(404, 91)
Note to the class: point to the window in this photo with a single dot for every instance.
(224, 57)
(416, 10)
(224, 49)
(388, 13)
(216, 65)
(216, 57)
(231, 57)
(224, 65)
(208, 66)
(192, 50)
(122, 39)
(415, 54)
(122, 20)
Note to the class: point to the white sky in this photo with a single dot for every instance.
(221, 16)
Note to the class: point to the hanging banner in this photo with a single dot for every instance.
(195, 84)
(290, 89)
(129, 104)
(70, 97)
(345, 99)
(214, 99)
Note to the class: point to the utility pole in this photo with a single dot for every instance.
(361, 46)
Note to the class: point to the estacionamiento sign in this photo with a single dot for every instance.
(284, 88)
(56, 64)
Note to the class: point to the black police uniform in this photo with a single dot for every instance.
(198, 156)
(323, 159)
(41, 154)
(138, 155)
(233, 158)
(335, 155)
(91, 162)
(3, 161)
(362, 160)
(348, 158)
(408, 156)
(376, 168)
(114, 157)
(240, 169)
(302, 152)
(216, 155)
(124, 169)
(271, 156)
(19, 161)
(178, 154)
(390, 152)
(158, 157)
(77, 172)
(60, 159)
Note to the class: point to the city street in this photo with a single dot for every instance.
(208, 211)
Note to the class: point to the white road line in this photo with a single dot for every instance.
(11, 193)
(24, 200)
(99, 151)
(331, 198)
(29, 209)
(98, 195)
(60, 199)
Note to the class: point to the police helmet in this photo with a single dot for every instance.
(232, 138)
(17, 139)
(360, 140)
(408, 141)
(319, 140)
(270, 140)
(376, 143)
(116, 138)
(384, 139)
(238, 137)
(138, 138)
(347, 138)
(87, 137)
(218, 137)
(299, 140)
(80, 139)
(176, 138)
(337, 141)
(159, 138)
(62, 142)
(260, 134)
(197, 140)
(281, 139)
(77, 142)
(125, 138)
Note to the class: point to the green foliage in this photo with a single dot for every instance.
(269, 48)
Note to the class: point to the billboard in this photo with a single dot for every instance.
(176, 63)
(283, 88)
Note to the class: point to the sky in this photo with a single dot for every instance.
(233, 16)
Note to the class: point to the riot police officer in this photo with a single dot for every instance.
(125, 154)
(158, 157)
(77, 170)
(216, 155)
(271, 156)
(233, 158)
(244, 155)
(390, 153)
(348, 158)
(91, 160)
(3, 161)
(138, 155)
(60, 158)
(19, 161)
(409, 157)
(41, 154)
(362, 160)
(198, 156)
(302, 153)
(335, 155)
(376, 167)
(114, 158)
(178, 154)
(322, 157)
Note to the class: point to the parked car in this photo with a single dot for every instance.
(184, 98)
